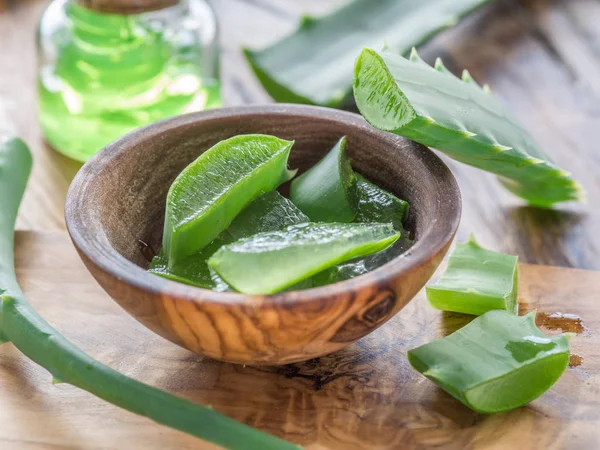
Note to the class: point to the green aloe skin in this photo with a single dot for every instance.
(266, 263)
(496, 363)
(300, 69)
(476, 281)
(322, 192)
(269, 212)
(433, 107)
(205, 198)
(36, 339)
(332, 190)
(329, 193)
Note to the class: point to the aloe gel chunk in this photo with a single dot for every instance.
(322, 192)
(371, 204)
(374, 204)
(205, 198)
(433, 107)
(496, 363)
(193, 270)
(270, 262)
(314, 64)
(476, 281)
(269, 212)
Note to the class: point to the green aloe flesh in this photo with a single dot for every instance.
(371, 204)
(476, 281)
(374, 204)
(322, 191)
(269, 262)
(435, 108)
(496, 363)
(205, 198)
(36, 339)
(269, 212)
(314, 64)
(193, 270)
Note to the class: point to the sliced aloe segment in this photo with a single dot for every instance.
(435, 108)
(360, 266)
(322, 191)
(205, 198)
(314, 64)
(371, 204)
(269, 212)
(374, 204)
(476, 281)
(270, 262)
(192, 270)
(496, 363)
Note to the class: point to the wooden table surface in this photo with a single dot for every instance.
(542, 57)
(364, 397)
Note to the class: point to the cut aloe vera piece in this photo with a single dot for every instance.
(270, 262)
(373, 204)
(360, 266)
(496, 363)
(322, 193)
(435, 108)
(205, 198)
(192, 270)
(269, 212)
(314, 64)
(476, 281)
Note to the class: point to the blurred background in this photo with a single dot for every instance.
(541, 57)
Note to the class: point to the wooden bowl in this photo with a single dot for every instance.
(115, 209)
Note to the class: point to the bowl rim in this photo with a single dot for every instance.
(111, 262)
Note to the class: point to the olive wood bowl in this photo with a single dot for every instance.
(115, 210)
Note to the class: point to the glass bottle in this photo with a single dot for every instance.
(107, 67)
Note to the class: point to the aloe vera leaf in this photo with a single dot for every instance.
(192, 270)
(208, 194)
(269, 212)
(435, 108)
(476, 281)
(37, 340)
(314, 64)
(269, 262)
(322, 191)
(496, 363)
(371, 204)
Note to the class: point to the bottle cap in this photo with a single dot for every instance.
(126, 6)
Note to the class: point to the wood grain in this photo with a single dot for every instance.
(118, 201)
(363, 397)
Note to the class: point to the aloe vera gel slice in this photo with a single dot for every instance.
(373, 204)
(435, 108)
(314, 64)
(496, 363)
(192, 270)
(269, 262)
(269, 212)
(476, 281)
(205, 198)
(322, 192)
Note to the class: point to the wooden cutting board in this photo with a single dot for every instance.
(365, 396)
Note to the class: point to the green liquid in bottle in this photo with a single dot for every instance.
(114, 73)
